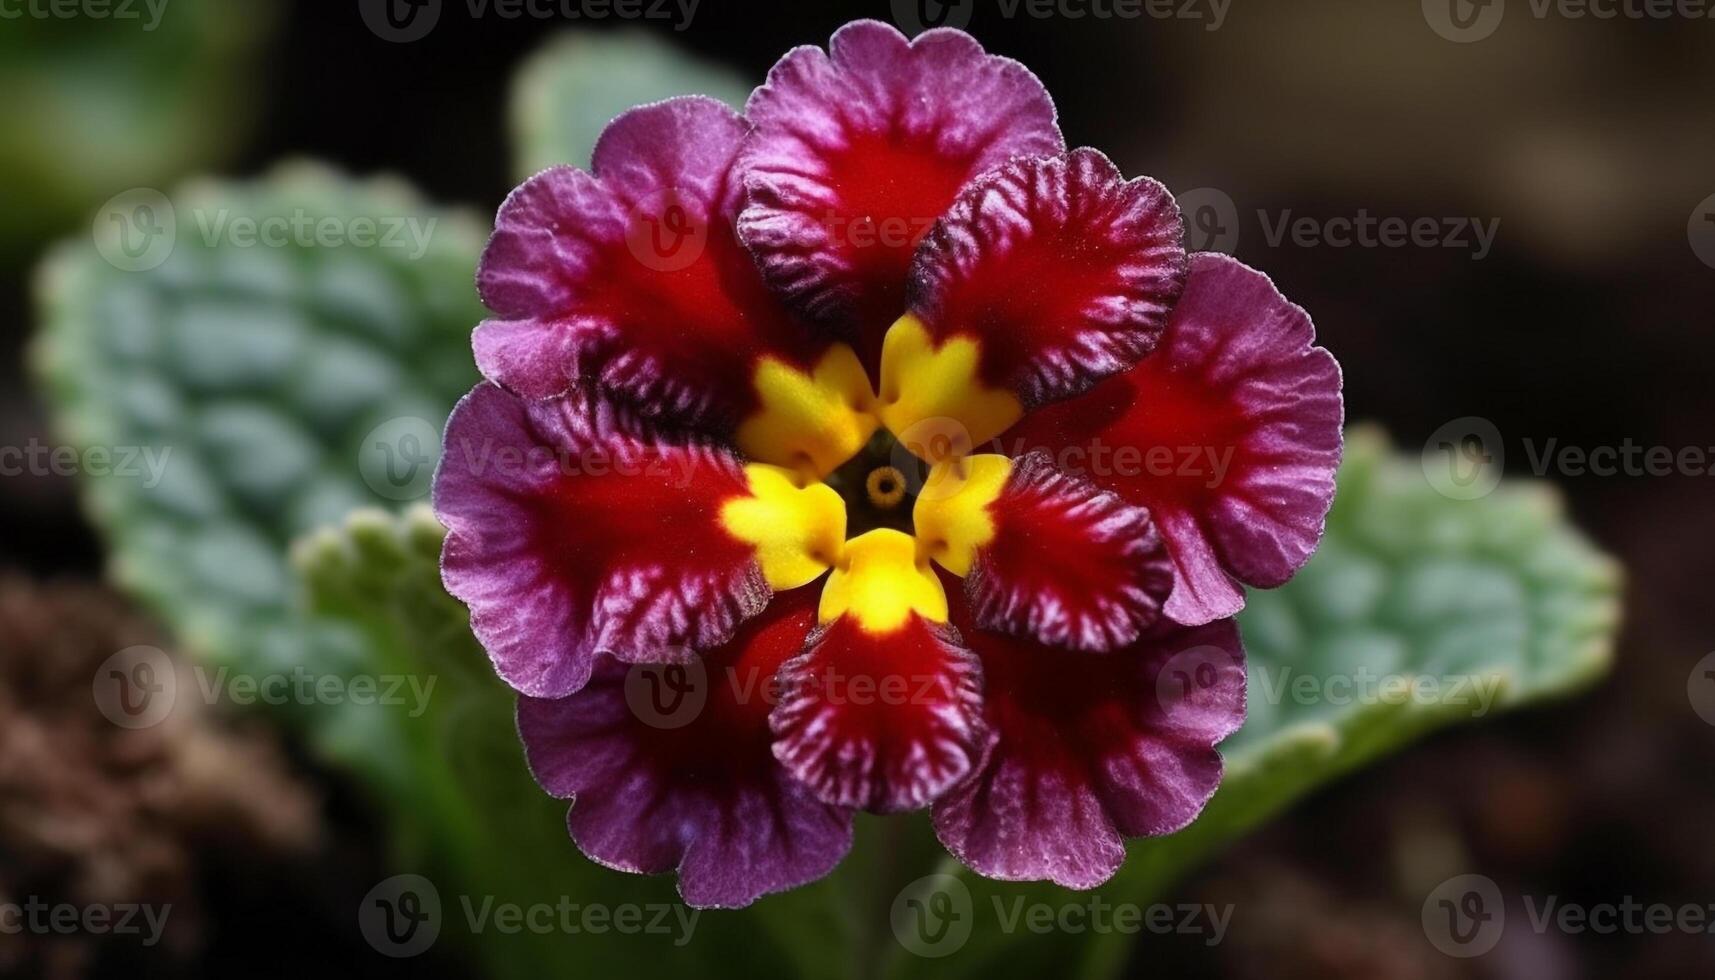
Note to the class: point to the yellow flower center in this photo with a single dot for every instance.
(835, 458)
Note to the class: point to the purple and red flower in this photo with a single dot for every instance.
(919, 437)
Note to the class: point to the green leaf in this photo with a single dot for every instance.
(1498, 591)
(566, 94)
(95, 106)
(252, 386)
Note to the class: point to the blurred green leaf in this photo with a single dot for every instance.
(567, 93)
(267, 383)
(1407, 583)
(98, 105)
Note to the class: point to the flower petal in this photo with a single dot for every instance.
(881, 712)
(1086, 751)
(630, 278)
(1044, 555)
(858, 151)
(687, 781)
(1229, 434)
(1059, 271)
(574, 528)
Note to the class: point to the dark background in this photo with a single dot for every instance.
(1590, 322)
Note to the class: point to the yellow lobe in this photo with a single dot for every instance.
(797, 530)
(932, 398)
(952, 514)
(810, 422)
(881, 581)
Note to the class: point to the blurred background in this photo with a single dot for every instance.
(1585, 145)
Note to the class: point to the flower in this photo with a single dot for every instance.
(906, 447)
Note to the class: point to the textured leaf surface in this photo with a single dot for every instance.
(257, 377)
